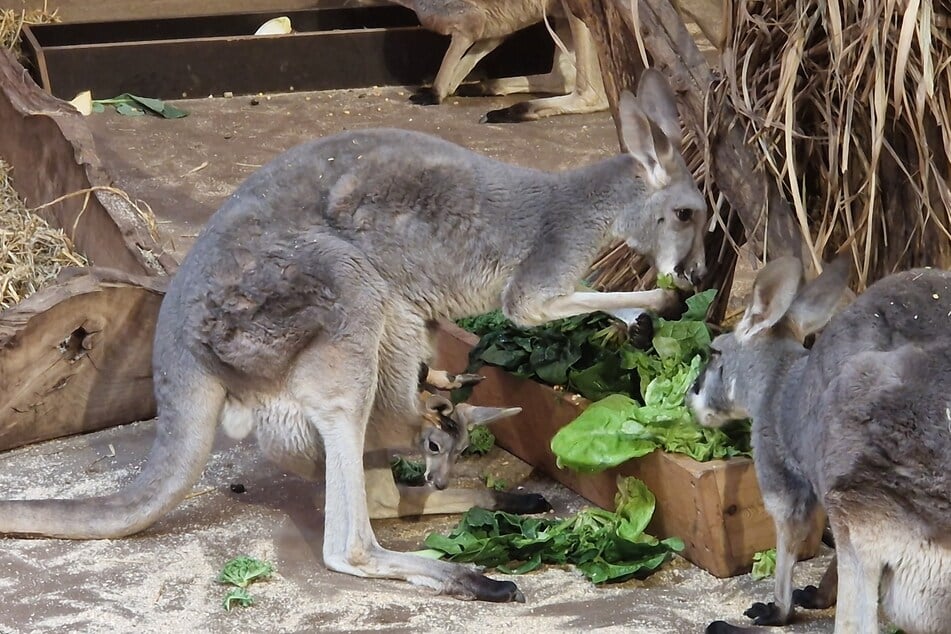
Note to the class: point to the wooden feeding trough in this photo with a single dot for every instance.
(332, 47)
(715, 507)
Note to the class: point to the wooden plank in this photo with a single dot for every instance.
(52, 153)
(102, 10)
(672, 50)
(77, 356)
(715, 507)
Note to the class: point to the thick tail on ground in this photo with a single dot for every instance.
(189, 402)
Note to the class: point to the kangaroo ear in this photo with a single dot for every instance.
(438, 404)
(658, 102)
(644, 141)
(472, 415)
(815, 304)
(774, 290)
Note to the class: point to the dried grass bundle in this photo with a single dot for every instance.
(31, 252)
(12, 21)
(849, 105)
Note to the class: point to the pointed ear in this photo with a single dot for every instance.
(472, 415)
(815, 305)
(643, 140)
(438, 404)
(658, 102)
(774, 290)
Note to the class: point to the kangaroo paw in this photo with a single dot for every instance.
(513, 114)
(641, 332)
(765, 614)
(521, 503)
(424, 97)
(457, 381)
(811, 598)
(473, 585)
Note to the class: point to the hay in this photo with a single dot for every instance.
(12, 21)
(31, 252)
(849, 105)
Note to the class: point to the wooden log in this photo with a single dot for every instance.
(77, 356)
(671, 49)
(53, 154)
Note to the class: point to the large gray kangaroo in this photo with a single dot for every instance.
(308, 298)
(860, 423)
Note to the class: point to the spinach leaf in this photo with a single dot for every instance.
(605, 546)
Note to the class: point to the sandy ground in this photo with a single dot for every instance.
(163, 579)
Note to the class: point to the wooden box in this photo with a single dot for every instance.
(333, 46)
(715, 507)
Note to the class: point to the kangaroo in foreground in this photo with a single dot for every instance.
(478, 27)
(860, 423)
(307, 303)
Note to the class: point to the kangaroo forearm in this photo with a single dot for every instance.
(580, 303)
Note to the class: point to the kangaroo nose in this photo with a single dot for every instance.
(696, 276)
(679, 270)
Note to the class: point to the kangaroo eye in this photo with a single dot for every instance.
(684, 214)
(433, 446)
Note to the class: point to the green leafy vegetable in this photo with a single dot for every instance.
(241, 572)
(485, 323)
(237, 596)
(495, 483)
(582, 353)
(481, 441)
(605, 546)
(618, 428)
(134, 106)
(666, 281)
(764, 564)
(409, 472)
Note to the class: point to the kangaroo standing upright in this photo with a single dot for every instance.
(308, 299)
(860, 423)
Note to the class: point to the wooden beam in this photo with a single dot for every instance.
(670, 47)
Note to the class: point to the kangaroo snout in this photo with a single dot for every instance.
(439, 482)
(694, 274)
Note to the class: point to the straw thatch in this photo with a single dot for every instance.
(849, 105)
(31, 252)
(12, 21)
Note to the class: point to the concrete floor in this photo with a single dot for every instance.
(163, 580)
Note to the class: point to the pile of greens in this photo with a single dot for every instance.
(586, 354)
(605, 546)
(639, 393)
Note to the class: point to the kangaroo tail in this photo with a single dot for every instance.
(189, 402)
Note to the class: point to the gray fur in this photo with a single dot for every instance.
(307, 303)
(860, 423)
